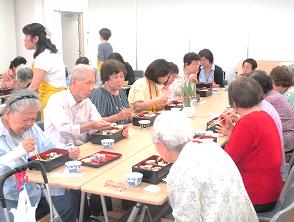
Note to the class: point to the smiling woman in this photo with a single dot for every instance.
(110, 99)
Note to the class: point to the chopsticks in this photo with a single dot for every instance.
(38, 157)
(220, 119)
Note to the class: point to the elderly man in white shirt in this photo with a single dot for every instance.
(204, 183)
(69, 114)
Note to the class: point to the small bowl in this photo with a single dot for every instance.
(144, 123)
(107, 143)
(134, 178)
(98, 157)
(176, 109)
(73, 166)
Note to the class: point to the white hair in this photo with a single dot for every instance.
(22, 99)
(173, 129)
(24, 75)
(78, 72)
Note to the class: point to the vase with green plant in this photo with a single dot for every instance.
(188, 92)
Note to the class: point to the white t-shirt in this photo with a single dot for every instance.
(53, 65)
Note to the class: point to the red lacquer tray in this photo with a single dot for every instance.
(109, 157)
(52, 163)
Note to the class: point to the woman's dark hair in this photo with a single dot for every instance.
(111, 67)
(173, 68)
(44, 42)
(190, 57)
(252, 62)
(158, 68)
(206, 53)
(105, 33)
(82, 60)
(244, 92)
(116, 56)
(17, 61)
(281, 76)
(263, 79)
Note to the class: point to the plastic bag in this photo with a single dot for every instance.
(24, 211)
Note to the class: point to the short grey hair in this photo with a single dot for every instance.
(24, 75)
(22, 99)
(78, 72)
(173, 129)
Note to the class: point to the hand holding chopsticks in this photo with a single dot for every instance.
(29, 145)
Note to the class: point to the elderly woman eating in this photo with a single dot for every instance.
(145, 94)
(21, 138)
(254, 144)
(110, 99)
(203, 184)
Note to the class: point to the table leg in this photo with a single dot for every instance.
(82, 206)
(104, 208)
(142, 214)
(134, 212)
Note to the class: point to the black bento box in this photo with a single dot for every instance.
(51, 164)
(204, 89)
(153, 171)
(6, 91)
(210, 126)
(142, 116)
(97, 136)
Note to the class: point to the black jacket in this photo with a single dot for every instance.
(218, 76)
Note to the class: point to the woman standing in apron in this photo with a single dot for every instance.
(48, 66)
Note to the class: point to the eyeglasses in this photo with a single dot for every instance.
(120, 186)
(20, 98)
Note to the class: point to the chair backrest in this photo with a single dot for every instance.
(288, 186)
(286, 215)
(138, 74)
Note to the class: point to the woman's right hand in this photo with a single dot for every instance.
(125, 114)
(226, 126)
(28, 144)
(161, 100)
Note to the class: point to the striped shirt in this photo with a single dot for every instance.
(108, 104)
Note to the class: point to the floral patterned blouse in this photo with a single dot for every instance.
(204, 184)
(289, 94)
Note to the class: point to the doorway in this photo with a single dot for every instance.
(72, 37)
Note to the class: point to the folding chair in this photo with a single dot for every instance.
(285, 200)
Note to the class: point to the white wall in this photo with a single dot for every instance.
(46, 12)
(120, 17)
(26, 12)
(272, 32)
(7, 36)
(232, 29)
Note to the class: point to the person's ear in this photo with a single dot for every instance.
(35, 39)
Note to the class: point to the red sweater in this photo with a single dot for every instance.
(255, 147)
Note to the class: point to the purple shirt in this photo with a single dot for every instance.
(286, 115)
(267, 107)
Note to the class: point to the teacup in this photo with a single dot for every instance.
(134, 178)
(73, 166)
(144, 123)
(107, 143)
(98, 157)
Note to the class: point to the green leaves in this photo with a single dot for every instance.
(188, 91)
